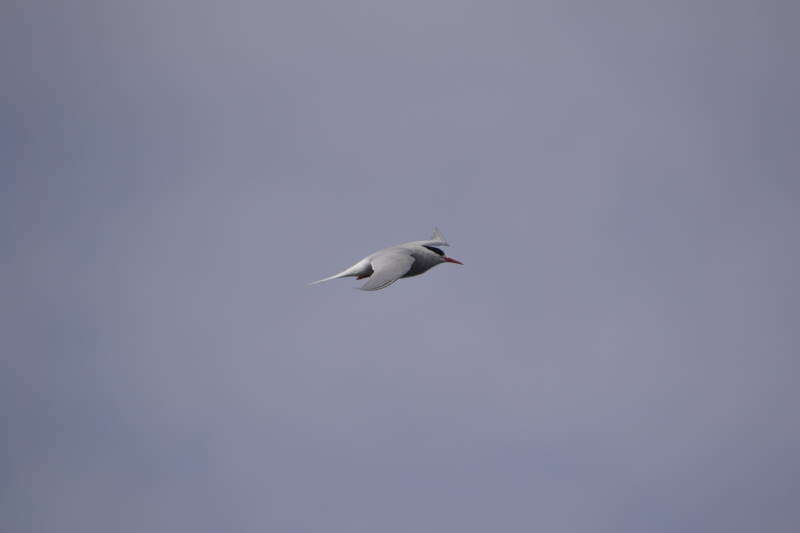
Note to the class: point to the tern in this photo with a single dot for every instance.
(402, 261)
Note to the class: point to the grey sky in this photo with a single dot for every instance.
(618, 354)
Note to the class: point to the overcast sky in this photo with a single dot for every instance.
(619, 352)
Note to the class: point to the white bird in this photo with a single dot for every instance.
(402, 261)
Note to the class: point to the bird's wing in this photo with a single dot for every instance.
(388, 267)
(437, 239)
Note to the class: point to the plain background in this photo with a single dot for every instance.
(618, 353)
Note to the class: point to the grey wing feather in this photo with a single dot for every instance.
(437, 239)
(387, 268)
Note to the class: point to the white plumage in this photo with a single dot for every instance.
(401, 261)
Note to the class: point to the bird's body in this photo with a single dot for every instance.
(401, 261)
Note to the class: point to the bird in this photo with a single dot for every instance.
(405, 260)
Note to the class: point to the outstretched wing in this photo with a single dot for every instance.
(437, 239)
(388, 267)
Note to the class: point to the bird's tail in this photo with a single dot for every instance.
(335, 276)
(355, 270)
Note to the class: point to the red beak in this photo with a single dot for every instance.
(451, 260)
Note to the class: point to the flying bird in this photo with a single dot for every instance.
(402, 261)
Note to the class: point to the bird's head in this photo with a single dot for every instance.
(443, 257)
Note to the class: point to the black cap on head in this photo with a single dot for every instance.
(434, 249)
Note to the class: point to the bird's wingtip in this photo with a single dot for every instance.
(438, 238)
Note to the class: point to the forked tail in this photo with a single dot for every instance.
(335, 276)
(359, 268)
